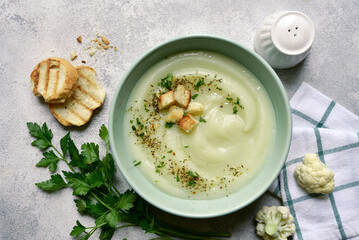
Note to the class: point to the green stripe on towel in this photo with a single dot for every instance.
(331, 196)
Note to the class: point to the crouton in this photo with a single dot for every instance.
(182, 96)
(195, 108)
(166, 100)
(174, 114)
(187, 123)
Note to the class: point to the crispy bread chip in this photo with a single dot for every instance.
(88, 95)
(54, 79)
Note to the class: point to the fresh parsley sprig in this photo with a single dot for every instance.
(166, 82)
(91, 179)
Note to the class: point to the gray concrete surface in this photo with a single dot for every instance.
(33, 30)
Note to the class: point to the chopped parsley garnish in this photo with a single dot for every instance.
(193, 177)
(194, 96)
(133, 128)
(186, 146)
(169, 125)
(166, 82)
(235, 110)
(199, 84)
(139, 123)
(237, 103)
(202, 120)
(146, 109)
(169, 151)
(229, 99)
(136, 163)
(159, 166)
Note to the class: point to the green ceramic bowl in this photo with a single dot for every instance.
(212, 207)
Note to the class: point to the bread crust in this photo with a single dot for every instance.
(67, 87)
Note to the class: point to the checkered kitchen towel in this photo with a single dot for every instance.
(322, 126)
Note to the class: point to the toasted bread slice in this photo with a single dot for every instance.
(88, 95)
(54, 79)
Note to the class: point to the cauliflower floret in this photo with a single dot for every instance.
(314, 176)
(275, 223)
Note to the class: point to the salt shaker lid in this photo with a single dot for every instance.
(293, 33)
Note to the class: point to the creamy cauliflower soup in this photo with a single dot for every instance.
(211, 147)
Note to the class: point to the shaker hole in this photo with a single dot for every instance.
(295, 35)
(296, 27)
(288, 30)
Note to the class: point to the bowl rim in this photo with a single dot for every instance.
(287, 140)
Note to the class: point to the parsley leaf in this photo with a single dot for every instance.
(113, 217)
(78, 229)
(126, 200)
(106, 232)
(94, 179)
(63, 143)
(82, 205)
(90, 152)
(50, 159)
(42, 134)
(103, 133)
(55, 183)
(77, 182)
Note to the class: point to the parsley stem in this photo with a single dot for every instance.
(62, 158)
(126, 225)
(116, 191)
(100, 201)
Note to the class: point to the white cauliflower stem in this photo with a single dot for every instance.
(275, 223)
(314, 176)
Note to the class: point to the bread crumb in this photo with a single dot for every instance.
(73, 55)
(92, 52)
(105, 40)
(79, 39)
(100, 43)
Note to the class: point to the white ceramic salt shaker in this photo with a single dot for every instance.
(284, 38)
